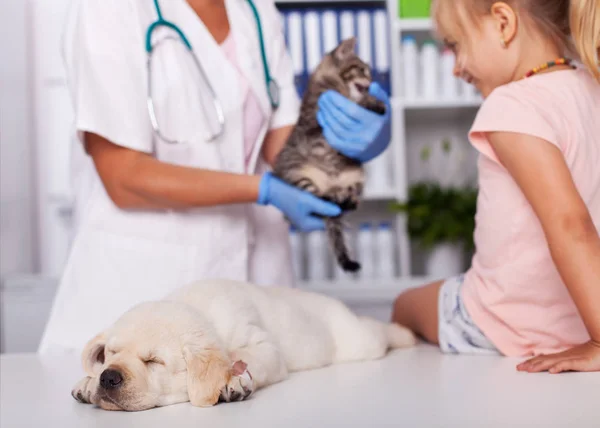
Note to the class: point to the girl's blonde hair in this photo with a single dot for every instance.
(585, 30)
(573, 25)
(551, 17)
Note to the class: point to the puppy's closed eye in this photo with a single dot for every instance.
(153, 360)
(111, 351)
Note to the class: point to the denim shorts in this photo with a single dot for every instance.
(458, 334)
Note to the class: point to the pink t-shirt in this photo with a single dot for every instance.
(252, 114)
(513, 290)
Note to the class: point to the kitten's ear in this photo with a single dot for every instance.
(345, 49)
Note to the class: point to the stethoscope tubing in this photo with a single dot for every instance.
(272, 87)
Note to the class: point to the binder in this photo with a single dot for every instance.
(381, 75)
(364, 48)
(296, 47)
(347, 29)
(312, 35)
(329, 25)
(284, 25)
(382, 50)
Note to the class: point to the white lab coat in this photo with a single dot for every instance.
(120, 258)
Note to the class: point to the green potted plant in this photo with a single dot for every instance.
(441, 221)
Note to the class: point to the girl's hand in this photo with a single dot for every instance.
(582, 358)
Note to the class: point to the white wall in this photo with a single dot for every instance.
(53, 134)
(35, 134)
(17, 219)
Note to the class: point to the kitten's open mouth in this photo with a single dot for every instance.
(361, 87)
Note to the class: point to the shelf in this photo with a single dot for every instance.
(366, 291)
(414, 24)
(380, 194)
(422, 104)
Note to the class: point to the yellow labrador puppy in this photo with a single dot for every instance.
(220, 341)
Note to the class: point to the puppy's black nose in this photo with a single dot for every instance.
(110, 379)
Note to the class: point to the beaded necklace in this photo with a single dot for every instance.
(559, 61)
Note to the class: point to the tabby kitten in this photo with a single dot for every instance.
(307, 161)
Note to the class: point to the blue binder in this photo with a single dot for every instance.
(381, 47)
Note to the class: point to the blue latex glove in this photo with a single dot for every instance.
(298, 205)
(351, 129)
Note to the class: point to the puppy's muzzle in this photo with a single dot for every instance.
(111, 379)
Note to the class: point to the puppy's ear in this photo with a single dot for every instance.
(93, 355)
(208, 371)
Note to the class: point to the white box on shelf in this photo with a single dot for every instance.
(410, 68)
(317, 255)
(449, 82)
(429, 71)
(384, 251)
(365, 250)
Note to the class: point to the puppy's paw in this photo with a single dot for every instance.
(240, 386)
(80, 392)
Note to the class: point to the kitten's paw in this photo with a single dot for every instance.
(350, 266)
(374, 104)
(348, 204)
(240, 386)
(347, 198)
(379, 107)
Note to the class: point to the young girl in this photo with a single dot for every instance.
(534, 284)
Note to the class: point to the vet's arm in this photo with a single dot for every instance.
(274, 142)
(135, 180)
(540, 170)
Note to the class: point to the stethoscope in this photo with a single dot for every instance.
(272, 87)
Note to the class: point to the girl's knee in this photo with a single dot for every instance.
(417, 309)
(402, 308)
(399, 301)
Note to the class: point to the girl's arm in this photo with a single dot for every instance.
(539, 169)
(135, 180)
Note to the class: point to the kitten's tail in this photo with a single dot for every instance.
(335, 234)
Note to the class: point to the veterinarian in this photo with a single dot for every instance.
(177, 189)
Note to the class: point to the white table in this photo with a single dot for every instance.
(417, 387)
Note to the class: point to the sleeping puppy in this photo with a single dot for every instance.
(219, 341)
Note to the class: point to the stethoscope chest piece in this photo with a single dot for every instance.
(273, 89)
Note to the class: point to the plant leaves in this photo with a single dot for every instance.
(436, 215)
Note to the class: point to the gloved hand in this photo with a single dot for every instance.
(351, 129)
(297, 205)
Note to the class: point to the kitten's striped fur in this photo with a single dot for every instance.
(308, 162)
